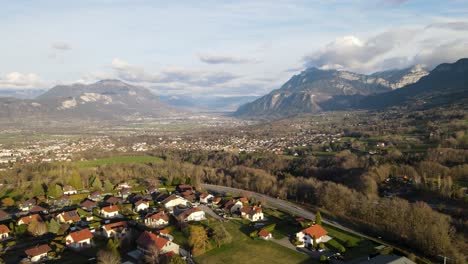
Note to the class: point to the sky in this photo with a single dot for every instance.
(220, 47)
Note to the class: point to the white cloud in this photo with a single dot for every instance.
(396, 48)
(16, 80)
(224, 59)
(63, 46)
(138, 74)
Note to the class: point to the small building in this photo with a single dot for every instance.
(264, 234)
(387, 259)
(38, 253)
(113, 200)
(192, 214)
(110, 211)
(79, 239)
(217, 201)
(88, 205)
(233, 206)
(141, 205)
(69, 190)
(4, 216)
(244, 200)
(173, 201)
(155, 220)
(27, 205)
(206, 198)
(115, 230)
(147, 241)
(4, 232)
(122, 185)
(38, 209)
(152, 190)
(62, 201)
(306, 236)
(184, 187)
(68, 217)
(26, 220)
(252, 213)
(125, 193)
(95, 196)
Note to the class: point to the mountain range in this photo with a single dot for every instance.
(311, 91)
(103, 100)
(315, 90)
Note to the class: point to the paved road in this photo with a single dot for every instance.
(273, 202)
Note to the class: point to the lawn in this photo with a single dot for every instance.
(246, 250)
(117, 160)
(364, 247)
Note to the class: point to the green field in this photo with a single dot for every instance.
(246, 250)
(117, 160)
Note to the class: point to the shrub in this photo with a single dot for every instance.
(350, 243)
(323, 258)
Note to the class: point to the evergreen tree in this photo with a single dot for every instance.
(108, 186)
(76, 181)
(96, 183)
(53, 226)
(318, 218)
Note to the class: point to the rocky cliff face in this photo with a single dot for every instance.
(316, 90)
(103, 100)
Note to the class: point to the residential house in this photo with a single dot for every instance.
(4, 232)
(252, 213)
(152, 189)
(206, 198)
(4, 216)
(38, 209)
(38, 253)
(113, 200)
(69, 190)
(306, 236)
(26, 220)
(68, 217)
(184, 187)
(161, 197)
(173, 201)
(387, 259)
(141, 205)
(189, 196)
(192, 214)
(216, 201)
(88, 205)
(122, 185)
(110, 211)
(95, 196)
(243, 200)
(233, 206)
(124, 193)
(27, 205)
(115, 230)
(264, 234)
(147, 241)
(62, 201)
(79, 239)
(158, 219)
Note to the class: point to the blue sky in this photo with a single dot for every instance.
(220, 47)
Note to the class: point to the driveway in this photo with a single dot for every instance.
(209, 211)
(286, 243)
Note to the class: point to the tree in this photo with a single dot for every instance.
(323, 258)
(107, 257)
(153, 255)
(318, 218)
(96, 183)
(112, 246)
(7, 202)
(37, 228)
(55, 191)
(76, 181)
(108, 186)
(53, 226)
(314, 242)
(37, 189)
(198, 239)
(221, 235)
